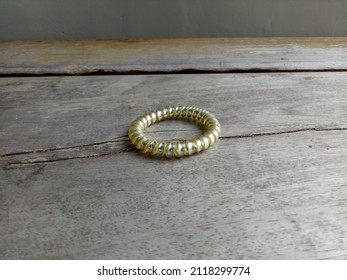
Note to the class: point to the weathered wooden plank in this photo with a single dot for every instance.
(274, 186)
(54, 112)
(266, 197)
(173, 55)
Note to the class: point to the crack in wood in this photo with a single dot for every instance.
(21, 163)
(18, 164)
(43, 150)
(283, 132)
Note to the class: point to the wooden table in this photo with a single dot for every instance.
(273, 187)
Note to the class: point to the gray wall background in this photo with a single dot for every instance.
(106, 19)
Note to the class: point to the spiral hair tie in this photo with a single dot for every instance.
(177, 148)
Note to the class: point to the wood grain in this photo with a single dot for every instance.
(173, 55)
(273, 187)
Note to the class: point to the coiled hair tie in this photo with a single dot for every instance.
(177, 148)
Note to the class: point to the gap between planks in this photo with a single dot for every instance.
(103, 72)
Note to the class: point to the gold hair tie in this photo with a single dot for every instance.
(179, 148)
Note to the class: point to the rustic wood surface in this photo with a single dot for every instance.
(273, 187)
(173, 55)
